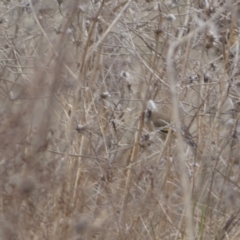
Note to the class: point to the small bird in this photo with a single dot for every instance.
(153, 118)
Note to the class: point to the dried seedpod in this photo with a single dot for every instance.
(207, 77)
(105, 95)
(209, 42)
(170, 17)
(82, 128)
(210, 11)
(145, 141)
(213, 67)
(194, 78)
(124, 74)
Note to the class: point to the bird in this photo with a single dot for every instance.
(155, 119)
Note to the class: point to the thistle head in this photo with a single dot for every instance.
(151, 106)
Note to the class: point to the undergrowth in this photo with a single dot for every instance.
(77, 158)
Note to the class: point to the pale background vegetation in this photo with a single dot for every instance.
(77, 160)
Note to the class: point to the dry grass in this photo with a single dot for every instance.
(77, 159)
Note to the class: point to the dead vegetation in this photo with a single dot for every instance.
(78, 160)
